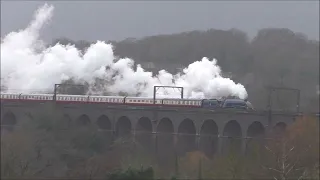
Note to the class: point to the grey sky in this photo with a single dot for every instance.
(107, 20)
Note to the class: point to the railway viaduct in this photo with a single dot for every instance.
(186, 129)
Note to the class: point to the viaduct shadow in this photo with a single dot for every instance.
(186, 137)
(232, 137)
(8, 122)
(105, 129)
(256, 135)
(123, 128)
(165, 143)
(208, 142)
(143, 132)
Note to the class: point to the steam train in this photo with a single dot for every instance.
(134, 101)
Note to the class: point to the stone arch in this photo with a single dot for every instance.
(165, 142)
(104, 123)
(143, 132)
(186, 136)
(123, 127)
(105, 129)
(83, 120)
(256, 135)
(8, 121)
(165, 126)
(208, 141)
(279, 129)
(256, 129)
(232, 137)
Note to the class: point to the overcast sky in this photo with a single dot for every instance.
(107, 20)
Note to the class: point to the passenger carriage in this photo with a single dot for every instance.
(134, 101)
(142, 101)
(182, 102)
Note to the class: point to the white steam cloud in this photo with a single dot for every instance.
(24, 68)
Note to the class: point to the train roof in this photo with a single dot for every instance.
(234, 100)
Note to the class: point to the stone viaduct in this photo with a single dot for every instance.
(186, 129)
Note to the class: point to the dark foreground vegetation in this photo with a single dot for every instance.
(51, 148)
(274, 57)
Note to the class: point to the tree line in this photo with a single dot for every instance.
(274, 57)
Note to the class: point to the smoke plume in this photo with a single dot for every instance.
(27, 65)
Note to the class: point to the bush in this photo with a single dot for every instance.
(133, 174)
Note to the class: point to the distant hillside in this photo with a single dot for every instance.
(277, 57)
